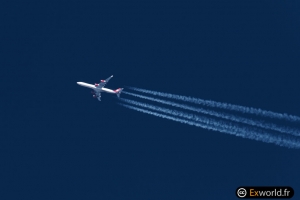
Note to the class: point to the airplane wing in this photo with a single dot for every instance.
(103, 82)
(98, 95)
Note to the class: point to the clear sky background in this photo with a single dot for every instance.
(57, 142)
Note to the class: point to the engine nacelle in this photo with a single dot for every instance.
(102, 81)
(96, 84)
(94, 96)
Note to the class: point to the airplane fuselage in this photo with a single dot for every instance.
(95, 88)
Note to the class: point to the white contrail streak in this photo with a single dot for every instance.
(211, 124)
(223, 115)
(227, 106)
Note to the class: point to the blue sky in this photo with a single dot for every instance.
(57, 142)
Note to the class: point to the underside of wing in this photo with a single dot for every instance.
(103, 82)
(98, 94)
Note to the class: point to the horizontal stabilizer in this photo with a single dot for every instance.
(118, 91)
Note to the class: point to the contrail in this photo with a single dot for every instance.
(222, 115)
(227, 106)
(216, 126)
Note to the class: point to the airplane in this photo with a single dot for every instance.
(99, 87)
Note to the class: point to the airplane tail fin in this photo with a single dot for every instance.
(118, 91)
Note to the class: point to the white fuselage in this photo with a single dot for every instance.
(95, 88)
